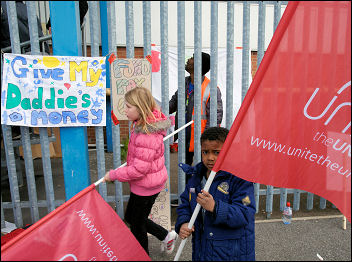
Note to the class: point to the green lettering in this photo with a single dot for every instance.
(50, 103)
(86, 99)
(13, 96)
(60, 103)
(37, 103)
(71, 101)
(26, 103)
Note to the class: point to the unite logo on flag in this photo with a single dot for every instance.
(337, 108)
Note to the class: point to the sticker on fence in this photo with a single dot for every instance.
(126, 74)
(47, 91)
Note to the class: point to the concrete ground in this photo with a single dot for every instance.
(311, 232)
(302, 240)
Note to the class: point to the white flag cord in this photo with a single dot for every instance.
(195, 214)
(165, 138)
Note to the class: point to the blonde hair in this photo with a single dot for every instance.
(142, 98)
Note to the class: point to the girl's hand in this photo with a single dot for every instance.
(206, 201)
(107, 177)
(185, 231)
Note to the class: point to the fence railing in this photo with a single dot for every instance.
(11, 162)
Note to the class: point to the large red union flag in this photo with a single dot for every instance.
(294, 127)
(85, 228)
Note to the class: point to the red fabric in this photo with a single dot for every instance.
(112, 57)
(6, 238)
(293, 129)
(84, 228)
(114, 118)
(149, 58)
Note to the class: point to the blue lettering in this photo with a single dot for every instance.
(55, 118)
(35, 115)
(15, 117)
(23, 71)
(56, 74)
(46, 74)
(83, 116)
(35, 73)
(71, 115)
(98, 114)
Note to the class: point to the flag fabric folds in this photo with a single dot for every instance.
(83, 228)
(293, 129)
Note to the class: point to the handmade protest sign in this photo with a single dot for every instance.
(60, 91)
(127, 74)
(161, 210)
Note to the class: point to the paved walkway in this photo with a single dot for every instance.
(304, 240)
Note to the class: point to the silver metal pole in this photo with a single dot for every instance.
(213, 63)
(165, 72)
(229, 64)
(99, 132)
(115, 129)
(197, 78)
(181, 93)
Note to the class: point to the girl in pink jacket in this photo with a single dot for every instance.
(145, 170)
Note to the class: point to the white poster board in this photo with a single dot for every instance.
(53, 91)
(126, 74)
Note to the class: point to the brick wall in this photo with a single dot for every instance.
(139, 53)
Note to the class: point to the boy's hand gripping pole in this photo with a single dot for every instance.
(165, 138)
(195, 214)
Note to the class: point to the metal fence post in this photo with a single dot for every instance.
(74, 140)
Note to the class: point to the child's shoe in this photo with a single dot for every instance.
(168, 244)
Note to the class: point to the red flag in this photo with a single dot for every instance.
(114, 118)
(84, 228)
(112, 57)
(293, 129)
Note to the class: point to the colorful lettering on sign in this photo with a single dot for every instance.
(53, 91)
(126, 75)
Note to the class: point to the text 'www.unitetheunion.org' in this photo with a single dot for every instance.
(305, 154)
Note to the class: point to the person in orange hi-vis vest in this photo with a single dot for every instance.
(189, 101)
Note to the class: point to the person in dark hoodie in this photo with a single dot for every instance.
(189, 101)
(23, 27)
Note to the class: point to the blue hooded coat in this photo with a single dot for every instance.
(228, 232)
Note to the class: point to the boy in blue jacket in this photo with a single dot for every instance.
(224, 229)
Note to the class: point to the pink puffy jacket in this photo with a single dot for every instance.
(145, 170)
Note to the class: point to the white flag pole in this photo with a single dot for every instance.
(195, 214)
(165, 138)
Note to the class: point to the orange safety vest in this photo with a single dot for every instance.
(205, 95)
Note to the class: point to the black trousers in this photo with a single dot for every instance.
(137, 212)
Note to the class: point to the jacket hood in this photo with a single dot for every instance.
(160, 124)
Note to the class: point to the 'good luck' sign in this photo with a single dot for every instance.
(45, 91)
